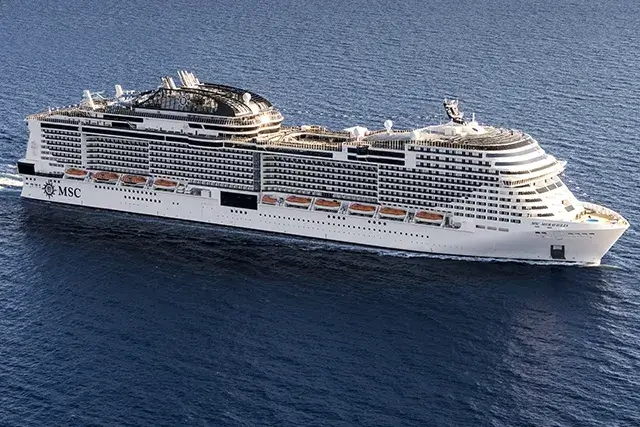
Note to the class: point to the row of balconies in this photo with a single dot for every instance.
(99, 151)
(189, 166)
(332, 183)
(311, 176)
(116, 166)
(202, 155)
(102, 146)
(321, 192)
(211, 178)
(453, 160)
(201, 160)
(131, 160)
(445, 151)
(117, 141)
(323, 163)
(325, 168)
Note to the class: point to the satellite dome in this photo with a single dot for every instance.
(388, 124)
(246, 97)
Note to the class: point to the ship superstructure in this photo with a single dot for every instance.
(218, 154)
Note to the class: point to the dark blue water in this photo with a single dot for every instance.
(112, 319)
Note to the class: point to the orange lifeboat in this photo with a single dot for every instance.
(135, 180)
(108, 177)
(269, 200)
(76, 173)
(297, 201)
(424, 216)
(392, 213)
(327, 205)
(164, 184)
(361, 209)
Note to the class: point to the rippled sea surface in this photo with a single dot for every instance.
(114, 319)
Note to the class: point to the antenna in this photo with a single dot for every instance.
(192, 79)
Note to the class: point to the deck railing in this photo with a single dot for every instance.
(601, 211)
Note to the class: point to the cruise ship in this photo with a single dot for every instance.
(220, 155)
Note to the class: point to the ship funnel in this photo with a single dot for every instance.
(119, 91)
(182, 79)
(88, 99)
(453, 111)
(188, 79)
(185, 78)
(193, 80)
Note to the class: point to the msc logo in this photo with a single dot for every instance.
(51, 190)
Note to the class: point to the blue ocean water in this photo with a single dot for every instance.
(114, 319)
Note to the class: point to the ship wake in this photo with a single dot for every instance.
(9, 179)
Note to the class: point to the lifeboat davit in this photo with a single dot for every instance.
(361, 209)
(164, 184)
(297, 201)
(76, 173)
(431, 217)
(108, 177)
(134, 180)
(392, 213)
(269, 200)
(327, 205)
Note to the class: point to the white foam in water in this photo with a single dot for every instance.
(324, 245)
(10, 182)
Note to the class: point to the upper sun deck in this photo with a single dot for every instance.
(468, 136)
(194, 97)
(197, 102)
(206, 98)
(191, 101)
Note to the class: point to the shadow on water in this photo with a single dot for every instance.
(222, 259)
(270, 304)
(237, 251)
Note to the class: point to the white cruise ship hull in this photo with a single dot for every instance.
(570, 242)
